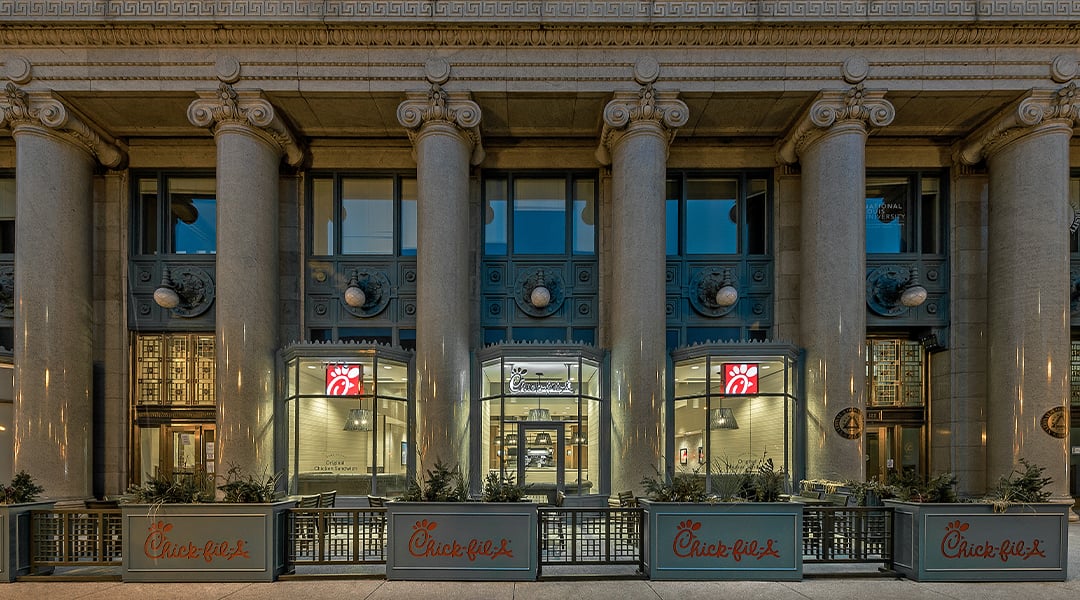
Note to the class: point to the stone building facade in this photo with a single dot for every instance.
(858, 217)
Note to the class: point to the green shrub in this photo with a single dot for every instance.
(502, 489)
(1024, 485)
(241, 487)
(22, 490)
(682, 487)
(441, 484)
(163, 489)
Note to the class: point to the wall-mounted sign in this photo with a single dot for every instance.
(740, 378)
(849, 423)
(344, 380)
(1054, 422)
(519, 385)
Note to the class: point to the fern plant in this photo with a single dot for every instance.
(682, 487)
(164, 489)
(241, 487)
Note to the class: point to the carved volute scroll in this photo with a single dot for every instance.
(438, 106)
(228, 107)
(647, 105)
(857, 105)
(24, 110)
(1041, 108)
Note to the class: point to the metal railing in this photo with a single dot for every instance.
(68, 537)
(591, 536)
(847, 534)
(336, 536)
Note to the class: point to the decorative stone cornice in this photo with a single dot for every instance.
(1039, 108)
(572, 11)
(438, 106)
(647, 105)
(20, 109)
(248, 109)
(367, 34)
(867, 108)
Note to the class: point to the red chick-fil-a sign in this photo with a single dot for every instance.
(159, 546)
(740, 378)
(423, 543)
(688, 545)
(956, 545)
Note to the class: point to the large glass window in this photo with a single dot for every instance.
(896, 370)
(177, 214)
(539, 215)
(348, 420)
(7, 215)
(904, 214)
(732, 410)
(716, 215)
(368, 215)
(541, 421)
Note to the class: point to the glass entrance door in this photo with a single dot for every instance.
(893, 451)
(188, 450)
(541, 457)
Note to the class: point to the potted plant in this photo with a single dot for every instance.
(740, 529)
(1013, 534)
(174, 530)
(16, 503)
(436, 532)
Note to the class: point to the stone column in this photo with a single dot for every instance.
(444, 129)
(638, 127)
(1027, 156)
(251, 141)
(830, 142)
(56, 153)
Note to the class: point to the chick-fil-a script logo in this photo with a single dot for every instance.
(422, 543)
(158, 545)
(687, 545)
(955, 545)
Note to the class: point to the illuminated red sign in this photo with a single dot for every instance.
(344, 380)
(740, 378)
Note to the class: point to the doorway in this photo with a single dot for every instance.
(894, 451)
(177, 452)
(541, 456)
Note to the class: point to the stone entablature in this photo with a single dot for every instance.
(553, 11)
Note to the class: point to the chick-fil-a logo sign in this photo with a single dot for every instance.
(159, 546)
(740, 378)
(956, 545)
(423, 543)
(344, 380)
(688, 545)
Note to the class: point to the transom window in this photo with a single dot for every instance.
(363, 215)
(895, 368)
(176, 214)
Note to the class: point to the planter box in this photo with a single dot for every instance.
(754, 541)
(15, 526)
(204, 542)
(970, 542)
(461, 541)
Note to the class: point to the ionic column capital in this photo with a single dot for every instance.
(663, 111)
(227, 107)
(1040, 109)
(28, 111)
(853, 106)
(438, 106)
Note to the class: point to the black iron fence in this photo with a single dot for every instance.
(336, 536)
(847, 534)
(591, 536)
(75, 537)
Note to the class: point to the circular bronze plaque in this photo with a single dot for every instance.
(849, 423)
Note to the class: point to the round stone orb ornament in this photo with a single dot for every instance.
(540, 296)
(166, 297)
(913, 296)
(727, 295)
(354, 296)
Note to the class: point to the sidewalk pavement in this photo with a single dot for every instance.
(819, 588)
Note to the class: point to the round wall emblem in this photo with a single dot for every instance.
(849, 423)
(1054, 422)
